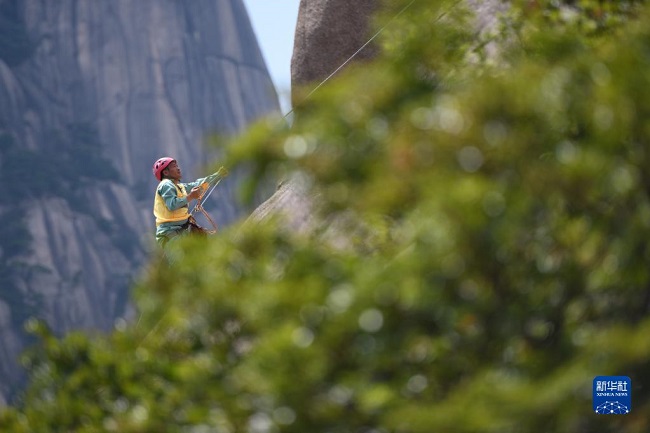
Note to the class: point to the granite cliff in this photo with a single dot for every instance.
(91, 93)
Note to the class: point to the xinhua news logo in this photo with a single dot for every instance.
(612, 395)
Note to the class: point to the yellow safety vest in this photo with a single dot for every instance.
(163, 214)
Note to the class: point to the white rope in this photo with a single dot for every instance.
(205, 196)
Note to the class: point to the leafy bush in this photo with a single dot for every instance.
(509, 207)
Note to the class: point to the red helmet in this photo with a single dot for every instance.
(160, 165)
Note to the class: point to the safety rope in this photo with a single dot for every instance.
(199, 207)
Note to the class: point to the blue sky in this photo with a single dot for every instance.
(274, 23)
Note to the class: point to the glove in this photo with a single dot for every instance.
(223, 172)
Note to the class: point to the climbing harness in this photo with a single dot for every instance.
(199, 207)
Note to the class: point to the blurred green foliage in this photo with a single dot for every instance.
(507, 266)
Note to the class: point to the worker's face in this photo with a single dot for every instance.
(173, 171)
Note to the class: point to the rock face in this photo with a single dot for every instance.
(328, 33)
(92, 92)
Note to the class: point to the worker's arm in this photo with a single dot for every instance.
(205, 182)
(169, 193)
(220, 174)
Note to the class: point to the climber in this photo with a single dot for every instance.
(171, 202)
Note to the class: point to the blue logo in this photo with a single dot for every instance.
(612, 395)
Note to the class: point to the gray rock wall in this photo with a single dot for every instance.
(328, 32)
(154, 76)
(139, 79)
